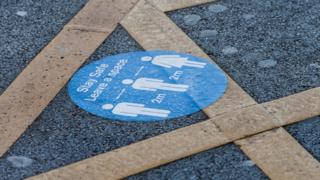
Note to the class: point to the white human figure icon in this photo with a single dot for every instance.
(169, 61)
(150, 84)
(135, 109)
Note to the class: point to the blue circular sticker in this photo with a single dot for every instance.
(147, 86)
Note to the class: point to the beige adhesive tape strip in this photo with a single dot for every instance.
(182, 142)
(295, 108)
(179, 143)
(169, 5)
(157, 31)
(142, 155)
(170, 146)
(280, 156)
(101, 15)
(152, 29)
(276, 152)
(48, 72)
(166, 147)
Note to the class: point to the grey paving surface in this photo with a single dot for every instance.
(271, 48)
(308, 134)
(225, 162)
(26, 26)
(64, 133)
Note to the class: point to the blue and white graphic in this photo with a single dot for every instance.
(147, 86)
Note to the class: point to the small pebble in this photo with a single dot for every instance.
(217, 8)
(248, 16)
(267, 63)
(251, 56)
(229, 50)
(208, 33)
(191, 19)
(21, 13)
(19, 161)
(315, 65)
(248, 163)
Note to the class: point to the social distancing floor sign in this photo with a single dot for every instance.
(147, 86)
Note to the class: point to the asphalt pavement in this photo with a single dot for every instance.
(64, 133)
(270, 48)
(25, 28)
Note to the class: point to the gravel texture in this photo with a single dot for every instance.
(270, 48)
(64, 133)
(27, 26)
(307, 133)
(225, 162)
